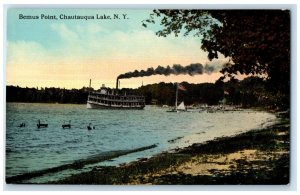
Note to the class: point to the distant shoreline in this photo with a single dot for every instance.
(237, 93)
(45, 103)
(277, 113)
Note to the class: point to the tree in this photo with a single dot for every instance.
(255, 41)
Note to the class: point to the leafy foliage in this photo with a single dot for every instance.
(255, 41)
(250, 92)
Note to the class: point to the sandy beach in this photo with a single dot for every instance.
(256, 157)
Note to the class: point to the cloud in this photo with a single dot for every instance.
(94, 40)
(93, 51)
(21, 52)
(65, 33)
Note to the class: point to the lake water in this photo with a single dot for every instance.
(30, 148)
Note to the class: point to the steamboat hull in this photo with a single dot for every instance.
(93, 105)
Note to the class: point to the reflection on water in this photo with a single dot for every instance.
(30, 148)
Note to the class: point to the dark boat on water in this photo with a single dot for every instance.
(66, 125)
(42, 125)
(22, 125)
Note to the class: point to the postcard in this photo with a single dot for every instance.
(135, 96)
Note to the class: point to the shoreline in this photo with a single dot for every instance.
(259, 156)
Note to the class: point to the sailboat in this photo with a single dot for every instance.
(181, 107)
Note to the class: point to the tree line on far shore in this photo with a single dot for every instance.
(250, 92)
(46, 95)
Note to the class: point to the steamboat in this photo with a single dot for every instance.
(106, 98)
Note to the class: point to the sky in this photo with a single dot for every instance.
(67, 53)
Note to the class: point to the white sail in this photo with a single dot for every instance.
(181, 106)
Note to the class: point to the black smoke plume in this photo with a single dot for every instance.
(176, 69)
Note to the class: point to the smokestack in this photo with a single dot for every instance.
(117, 83)
(90, 86)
